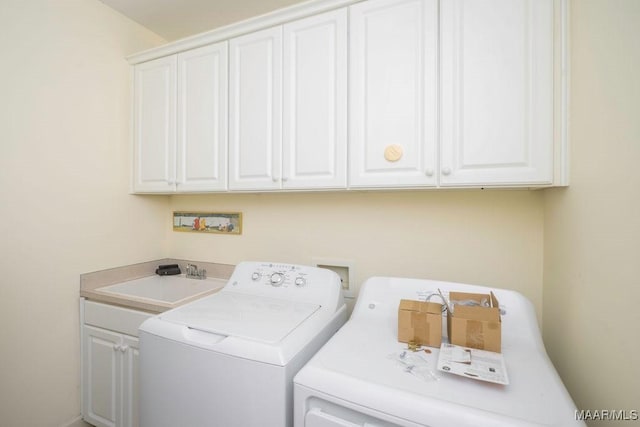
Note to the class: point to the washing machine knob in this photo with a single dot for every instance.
(255, 276)
(276, 279)
(300, 281)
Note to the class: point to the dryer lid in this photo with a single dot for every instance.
(251, 317)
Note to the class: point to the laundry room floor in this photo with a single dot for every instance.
(80, 423)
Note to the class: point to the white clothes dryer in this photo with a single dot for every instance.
(229, 359)
(355, 381)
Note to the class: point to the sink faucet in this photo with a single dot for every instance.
(194, 273)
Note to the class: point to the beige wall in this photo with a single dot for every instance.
(592, 229)
(64, 123)
(482, 237)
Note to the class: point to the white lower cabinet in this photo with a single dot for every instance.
(110, 365)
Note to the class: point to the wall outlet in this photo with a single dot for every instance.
(343, 268)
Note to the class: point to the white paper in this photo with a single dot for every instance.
(471, 363)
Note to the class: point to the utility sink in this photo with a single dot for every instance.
(171, 290)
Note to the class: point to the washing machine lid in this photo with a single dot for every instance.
(251, 317)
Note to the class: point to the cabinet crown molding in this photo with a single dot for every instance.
(277, 17)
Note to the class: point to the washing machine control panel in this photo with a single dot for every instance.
(287, 281)
(280, 275)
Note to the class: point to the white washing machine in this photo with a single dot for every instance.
(229, 359)
(356, 380)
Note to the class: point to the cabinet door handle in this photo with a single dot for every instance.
(446, 171)
(124, 348)
(428, 172)
(116, 347)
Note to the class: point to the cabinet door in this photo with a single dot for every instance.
(202, 119)
(497, 91)
(393, 93)
(154, 126)
(101, 377)
(314, 142)
(255, 110)
(130, 358)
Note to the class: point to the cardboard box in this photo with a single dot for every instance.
(475, 326)
(420, 322)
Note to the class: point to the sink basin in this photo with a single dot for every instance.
(164, 289)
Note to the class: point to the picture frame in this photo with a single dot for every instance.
(208, 222)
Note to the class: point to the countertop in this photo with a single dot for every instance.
(91, 283)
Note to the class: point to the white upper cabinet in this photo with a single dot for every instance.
(288, 106)
(180, 122)
(314, 143)
(154, 126)
(393, 93)
(358, 94)
(202, 119)
(497, 92)
(255, 110)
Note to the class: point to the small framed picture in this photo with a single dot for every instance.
(208, 222)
